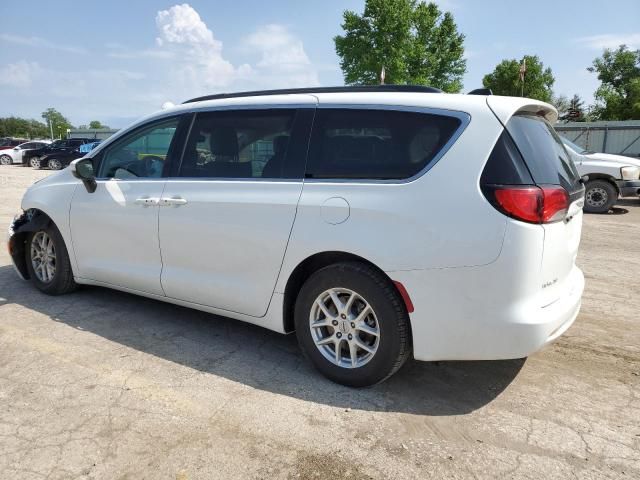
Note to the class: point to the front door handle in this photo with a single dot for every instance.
(173, 201)
(147, 201)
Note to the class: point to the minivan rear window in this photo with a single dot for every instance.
(543, 152)
(375, 144)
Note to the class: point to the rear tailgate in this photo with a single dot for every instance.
(550, 165)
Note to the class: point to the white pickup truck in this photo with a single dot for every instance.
(610, 176)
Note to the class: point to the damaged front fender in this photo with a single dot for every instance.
(31, 220)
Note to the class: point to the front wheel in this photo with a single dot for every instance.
(54, 164)
(35, 162)
(5, 160)
(599, 196)
(48, 262)
(352, 324)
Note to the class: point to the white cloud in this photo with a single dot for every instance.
(20, 74)
(281, 59)
(39, 43)
(610, 40)
(183, 33)
(277, 46)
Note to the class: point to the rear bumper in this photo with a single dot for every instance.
(461, 318)
(629, 188)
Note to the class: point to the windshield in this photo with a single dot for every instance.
(574, 147)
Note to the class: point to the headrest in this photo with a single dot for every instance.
(224, 141)
(280, 144)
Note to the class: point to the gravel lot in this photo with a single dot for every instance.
(102, 384)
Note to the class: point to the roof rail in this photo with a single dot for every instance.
(289, 91)
(481, 91)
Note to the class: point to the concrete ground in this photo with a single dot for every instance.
(102, 384)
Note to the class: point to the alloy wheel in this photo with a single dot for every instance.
(35, 162)
(344, 328)
(43, 257)
(54, 164)
(5, 160)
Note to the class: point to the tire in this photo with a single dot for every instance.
(60, 281)
(391, 346)
(34, 162)
(600, 196)
(6, 160)
(54, 164)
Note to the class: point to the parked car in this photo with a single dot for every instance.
(55, 153)
(609, 176)
(14, 155)
(59, 159)
(7, 142)
(375, 222)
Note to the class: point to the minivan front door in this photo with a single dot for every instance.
(227, 212)
(115, 229)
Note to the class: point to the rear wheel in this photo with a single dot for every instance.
(5, 160)
(352, 324)
(600, 196)
(48, 262)
(54, 164)
(34, 162)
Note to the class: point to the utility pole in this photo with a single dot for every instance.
(521, 73)
(50, 126)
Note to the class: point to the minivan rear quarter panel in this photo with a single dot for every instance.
(410, 224)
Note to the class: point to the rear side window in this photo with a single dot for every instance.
(543, 152)
(375, 144)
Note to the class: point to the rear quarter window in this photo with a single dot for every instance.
(543, 152)
(376, 144)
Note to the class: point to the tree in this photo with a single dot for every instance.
(618, 96)
(576, 109)
(570, 110)
(22, 128)
(505, 80)
(56, 122)
(96, 124)
(562, 104)
(413, 41)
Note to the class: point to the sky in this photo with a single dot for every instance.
(115, 60)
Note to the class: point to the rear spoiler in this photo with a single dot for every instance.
(481, 91)
(505, 107)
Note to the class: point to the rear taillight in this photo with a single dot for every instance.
(528, 203)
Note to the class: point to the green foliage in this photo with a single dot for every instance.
(22, 128)
(58, 122)
(96, 124)
(504, 79)
(576, 110)
(618, 97)
(414, 41)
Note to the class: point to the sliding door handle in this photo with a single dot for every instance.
(147, 201)
(173, 201)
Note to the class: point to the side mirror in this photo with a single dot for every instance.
(16, 149)
(83, 170)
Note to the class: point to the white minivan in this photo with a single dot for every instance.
(378, 223)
